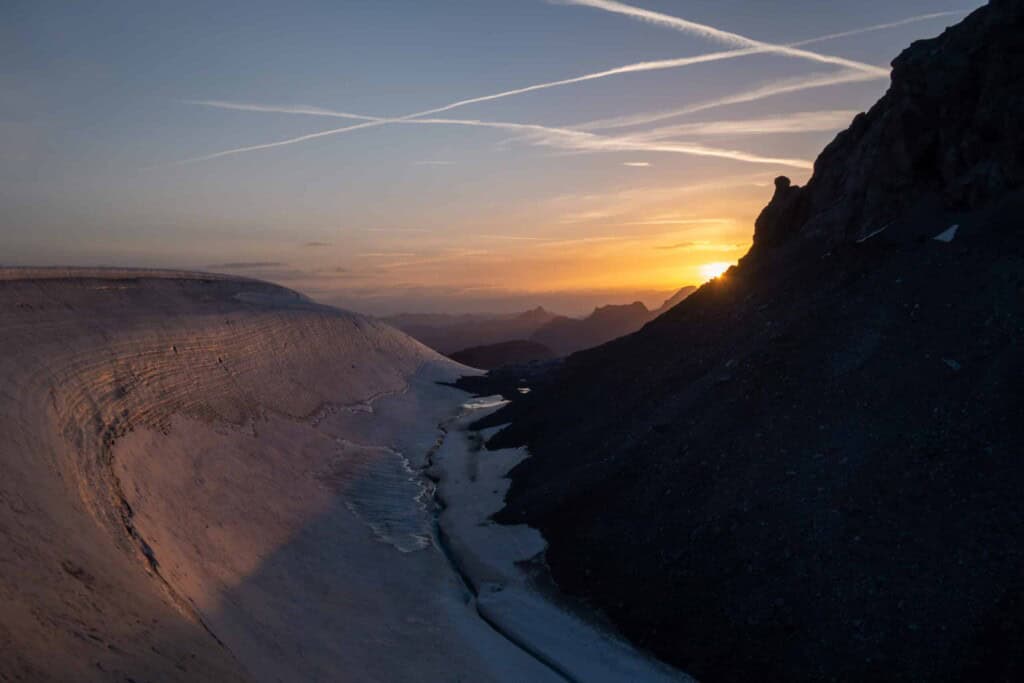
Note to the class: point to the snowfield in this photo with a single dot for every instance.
(210, 478)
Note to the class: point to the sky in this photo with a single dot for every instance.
(442, 156)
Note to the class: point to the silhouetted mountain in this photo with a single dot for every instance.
(811, 468)
(675, 299)
(455, 334)
(566, 335)
(452, 333)
(505, 353)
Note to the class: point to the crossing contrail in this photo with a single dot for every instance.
(727, 37)
(814, 81)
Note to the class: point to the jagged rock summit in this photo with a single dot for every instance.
(947, 131)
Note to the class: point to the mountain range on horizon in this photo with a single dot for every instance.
(539, 333)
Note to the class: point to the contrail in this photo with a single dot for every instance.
(637, 67)
(371, 121)
(815, 81)
(719, 35)
(787, 85)
(798, 122)
(881, 27)
(566, 138)
(560, 138)
(280, 143)
(279, 109)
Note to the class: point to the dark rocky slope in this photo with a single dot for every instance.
(811, 468)
(506, 353)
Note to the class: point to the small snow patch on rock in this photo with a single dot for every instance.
(484, 403)
(871, 234)
(947, 235)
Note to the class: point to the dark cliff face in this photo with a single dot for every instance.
(948, 129)
(811, 468)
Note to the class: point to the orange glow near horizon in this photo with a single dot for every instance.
(712, 270)
(641, 243)
(620, 244)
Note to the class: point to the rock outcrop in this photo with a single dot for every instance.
(948, 129)
(782, 217)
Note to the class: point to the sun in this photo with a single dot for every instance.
(710, 271)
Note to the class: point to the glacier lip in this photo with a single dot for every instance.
(503, 564)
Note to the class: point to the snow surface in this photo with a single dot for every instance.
(871, 234)
(947, 235)
(195, 488)
(472, 485)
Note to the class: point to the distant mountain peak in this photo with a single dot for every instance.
(615, 310)
(538, 313)
(676, 298)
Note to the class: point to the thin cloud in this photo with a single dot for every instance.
(726, 37)
(767, 90)
(798, 122)
(763, 91)
(433, 163)
(701, 246)
(683, 221)
(566, 138)
(395, 230)
(663, 192)
(247, 265)
(515, 238)
(560, 138)
(587, 240)
(636, 164)
(881, 27)
(278, 109)
(624, 202)
(278, 143)
(452, 255)
(374, 121)
(585, 216)
(317, 244)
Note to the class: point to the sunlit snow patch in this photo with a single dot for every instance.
(871, 234)
(947, 235)
(484, 402)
